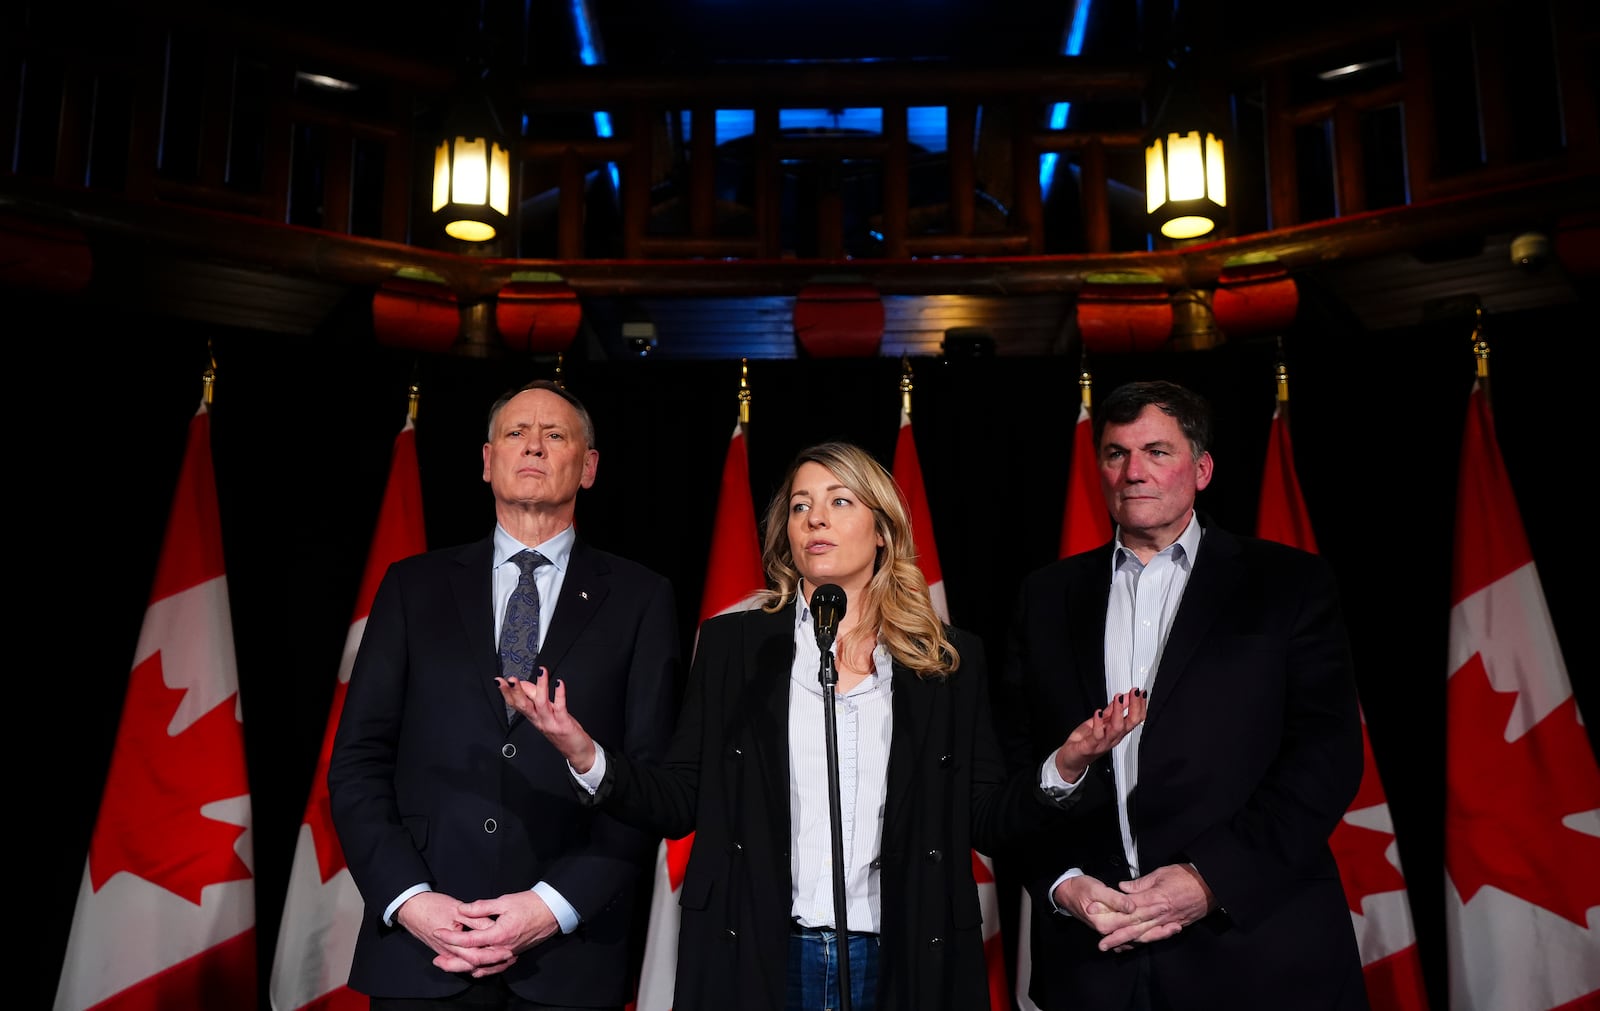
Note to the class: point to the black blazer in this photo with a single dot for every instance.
(726, 778)
(428, 781)
(1250, 755)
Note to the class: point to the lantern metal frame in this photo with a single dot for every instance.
(1186, 177)
(472, 171)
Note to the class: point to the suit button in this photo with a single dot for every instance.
(738, 752)
(738, 847)
(508, 750)
(935, 942)
(730, 935)
(935, 856)
(490, 825)
(945, 760)
(877, 863)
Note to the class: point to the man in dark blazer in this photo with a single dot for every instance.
(1215, 813)
(486, 883)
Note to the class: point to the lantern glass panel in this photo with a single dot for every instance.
(441, 175)
(1216, 178)
(469, 175)
(1186, 177)
(1155, 176)
(500, 181)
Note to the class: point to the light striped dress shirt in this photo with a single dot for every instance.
(863, 721)
(1139, 613)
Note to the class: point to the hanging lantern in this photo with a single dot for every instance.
(472, 172)
(1186, 184)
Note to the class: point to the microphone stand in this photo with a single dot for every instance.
(830, 679)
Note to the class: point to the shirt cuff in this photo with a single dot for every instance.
(565, 914)
(394, 907)
(1050, 780)
(591, 779)
(1076, 872)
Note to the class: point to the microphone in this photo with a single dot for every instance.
(827, 607)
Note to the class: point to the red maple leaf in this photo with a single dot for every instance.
(1506, 800)
(150, 823)
(1364, 869)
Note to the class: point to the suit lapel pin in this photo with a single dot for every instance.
(584, 594)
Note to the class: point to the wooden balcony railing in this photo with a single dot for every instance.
(208, 114)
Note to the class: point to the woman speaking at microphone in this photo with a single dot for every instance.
(921, 780)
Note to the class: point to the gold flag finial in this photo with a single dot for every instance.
(1085, 382)
(905, 384)
(208, 378)
(1480, 347)
(744, 391)
(1480, 341)
(560, 360)
(1282, 372)
(411, 403)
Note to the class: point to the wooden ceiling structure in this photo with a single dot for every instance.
(175, 162)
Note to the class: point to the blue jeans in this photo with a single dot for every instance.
(814, 970)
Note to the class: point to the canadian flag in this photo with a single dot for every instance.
(1085, 525)
(1363, 842)
(322, 913)
(907, 471)
(165, 916)
(1522, 788)
(734, 582)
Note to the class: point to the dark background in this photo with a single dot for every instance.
(302, 432)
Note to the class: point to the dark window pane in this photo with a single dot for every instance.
(40, 117)
(179, 156)
(1533, 92)
(247, 131)
(366, 189)
(1458, 126)
(307, 170)
(1246, 168)
(1313, 152)
(1383, 157)
(111, 134)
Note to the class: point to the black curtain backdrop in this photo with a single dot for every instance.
(302, 431)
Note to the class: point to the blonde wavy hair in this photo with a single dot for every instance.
(897, 604)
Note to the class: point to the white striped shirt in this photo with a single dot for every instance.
(1139, 613)
(1140, 610)
(863, 722)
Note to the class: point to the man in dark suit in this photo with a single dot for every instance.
(1214, 815)
(486, 883)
